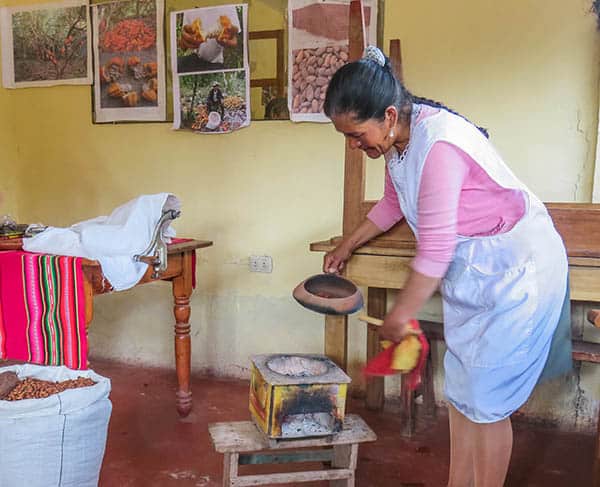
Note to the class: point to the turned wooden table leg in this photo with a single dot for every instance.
(182, 291)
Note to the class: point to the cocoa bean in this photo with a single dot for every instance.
(309, 94)
(30, 388)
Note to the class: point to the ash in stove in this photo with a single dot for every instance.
(307, 424)
(297, 366)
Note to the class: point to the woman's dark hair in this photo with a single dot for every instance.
(365, 88)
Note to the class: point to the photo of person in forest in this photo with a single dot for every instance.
(214, 102)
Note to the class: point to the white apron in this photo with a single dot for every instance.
(502, 294)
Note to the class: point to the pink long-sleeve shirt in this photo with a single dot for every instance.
(456, 197)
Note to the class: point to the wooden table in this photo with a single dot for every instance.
(180, 272)
(385, 264)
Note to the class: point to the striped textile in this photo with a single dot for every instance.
(42, 309)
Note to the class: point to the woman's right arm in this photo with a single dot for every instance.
(384, 215)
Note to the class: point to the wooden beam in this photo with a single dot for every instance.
(354, 164)
(396, 58)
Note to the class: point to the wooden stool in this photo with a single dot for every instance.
(236, 440)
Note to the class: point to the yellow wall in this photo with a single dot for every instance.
(8, 157)
(526, 70)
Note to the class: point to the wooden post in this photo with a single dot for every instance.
(182, 291)
(376, 307)
(354, 179)
(396, 58)
(336, 340)
(407, 418)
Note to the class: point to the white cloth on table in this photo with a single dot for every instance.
(112, 240)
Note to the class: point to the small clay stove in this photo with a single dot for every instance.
(295, 396)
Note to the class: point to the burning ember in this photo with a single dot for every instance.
(297, 366)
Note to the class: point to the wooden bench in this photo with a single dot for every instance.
(242, 443)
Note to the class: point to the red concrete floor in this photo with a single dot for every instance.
(150, 446)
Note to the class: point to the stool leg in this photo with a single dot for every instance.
(230, 468)
(344, 456)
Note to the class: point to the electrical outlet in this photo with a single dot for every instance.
(261, 263)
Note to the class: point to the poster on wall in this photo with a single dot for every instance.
(129, 61)
(318, 47)
(211, 78)
(46, 45)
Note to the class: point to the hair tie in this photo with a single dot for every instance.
(374, 54)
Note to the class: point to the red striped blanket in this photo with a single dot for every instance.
(42, 309)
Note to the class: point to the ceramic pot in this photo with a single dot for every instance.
(329, 294)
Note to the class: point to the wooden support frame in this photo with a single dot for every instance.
(279, 81)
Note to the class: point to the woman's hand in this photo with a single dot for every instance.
(395, 327)
(334, 261)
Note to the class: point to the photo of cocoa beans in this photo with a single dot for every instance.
(311, 71)
(318, 47)
(128, 61)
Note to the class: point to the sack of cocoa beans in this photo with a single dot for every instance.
(53, 426)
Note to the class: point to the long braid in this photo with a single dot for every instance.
(437, 104)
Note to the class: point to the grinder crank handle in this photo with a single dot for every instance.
(378, 322)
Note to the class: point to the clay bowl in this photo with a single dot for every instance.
(329, 294)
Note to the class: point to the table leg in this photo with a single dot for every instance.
(407, 412)
(336, 339)
(182, 291)
(376, 307)
(596, 473)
